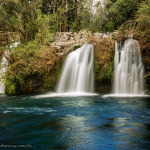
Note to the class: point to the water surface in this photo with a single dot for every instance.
(83, 122)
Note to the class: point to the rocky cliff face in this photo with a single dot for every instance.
(67, 41)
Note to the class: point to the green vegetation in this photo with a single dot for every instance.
(34, 22)
(31, 17)
(104, 56)
(114, 14)
(32, 61)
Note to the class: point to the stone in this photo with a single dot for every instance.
(77, 37)
(83, 32)
(58, 47)
(89, 33)
(75, 34)
(72, 38)
(65, 41)
(72, 35)
(98, 35)
(53, 43)
(83, 41)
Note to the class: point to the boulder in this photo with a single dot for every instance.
(77, 37)
(90, 33)
(72, 38)
(75, 34)
(83, 41)
(98, 35)
(65, 41)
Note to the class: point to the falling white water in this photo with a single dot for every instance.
(128, 68)
(4, 65)
(78, 71)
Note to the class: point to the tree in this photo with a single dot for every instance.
(121, 10)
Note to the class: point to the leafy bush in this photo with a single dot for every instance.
(32, 61)
(103, 52)
(144, 8)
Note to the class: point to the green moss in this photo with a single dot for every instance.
(77, 46)
(108, 73)
(96, 68)
(51, 78)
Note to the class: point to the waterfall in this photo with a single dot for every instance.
(4, 65)
(78, 71)
(128, 68)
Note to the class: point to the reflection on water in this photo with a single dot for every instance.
(86, 123)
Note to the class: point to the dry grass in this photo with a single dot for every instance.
(46, 60)
(104, 50)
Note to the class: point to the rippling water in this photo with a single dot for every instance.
(82, 123)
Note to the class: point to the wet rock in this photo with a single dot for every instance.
(147, 92)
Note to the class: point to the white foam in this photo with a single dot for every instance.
(5, 112)
(71, 94)
(125, 95)
(28, 110)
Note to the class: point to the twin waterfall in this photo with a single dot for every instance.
(78, 71)
(128, 68)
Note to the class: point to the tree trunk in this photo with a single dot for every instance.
(75, 9)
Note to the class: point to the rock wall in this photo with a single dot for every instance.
(67, 41)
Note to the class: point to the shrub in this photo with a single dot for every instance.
(29, 62)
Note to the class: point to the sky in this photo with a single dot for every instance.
(95, 1)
